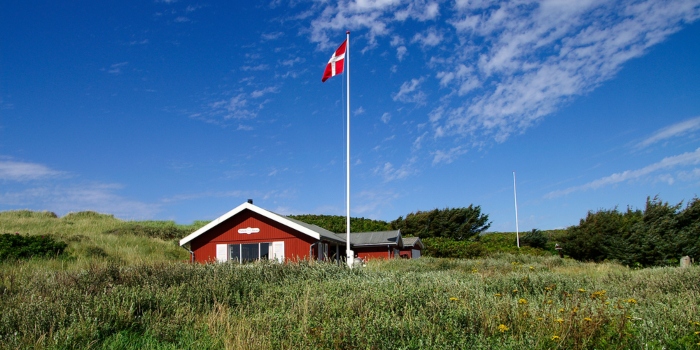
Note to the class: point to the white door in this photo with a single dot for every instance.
(415, 253)
(277, 252)
(222, 252)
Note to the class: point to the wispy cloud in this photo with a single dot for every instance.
(675, 130)
(685, 159)
(272, 36)
(511, 63)
(429, 38)
(22, 171)
(448, 156)
(390, 173)
(116, 68)
(259, 67)
(531, 58)
(409, 92)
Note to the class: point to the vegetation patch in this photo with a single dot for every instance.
(18, 247)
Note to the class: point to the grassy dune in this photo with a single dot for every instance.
(507, 301)
(121, 289)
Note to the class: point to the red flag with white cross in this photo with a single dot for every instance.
(336, 63)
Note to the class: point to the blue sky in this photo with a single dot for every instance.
(182, 110)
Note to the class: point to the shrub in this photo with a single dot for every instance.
(441, 247)
(16, 246)
(535, 239)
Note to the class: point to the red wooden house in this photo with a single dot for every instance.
(249, 233)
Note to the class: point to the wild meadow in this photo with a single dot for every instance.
(139, 292)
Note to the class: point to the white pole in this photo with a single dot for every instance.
(515, 195)
(348, 252)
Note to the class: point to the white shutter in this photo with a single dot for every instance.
(278, 251)
(222, 252)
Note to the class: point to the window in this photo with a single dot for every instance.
(249, 252)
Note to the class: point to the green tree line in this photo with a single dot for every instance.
(658, 235)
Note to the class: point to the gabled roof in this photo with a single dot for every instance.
(412, 242)
(307, 229)
(376, 238)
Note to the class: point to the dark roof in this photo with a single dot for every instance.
(412, 242)
(377, 238)
(328, 235)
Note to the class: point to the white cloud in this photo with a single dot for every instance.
(390, 173)
(429, 38)
(116, 68)
(265, 91)
(272, 36)
(448, 156)
(22, 171)
(182, 19)
(671, 131)
(410, 92)
(386, 117)
(259, 67)
(688, 158)
(374, 16)
(292, 62)
(532, 56)
(401, 52)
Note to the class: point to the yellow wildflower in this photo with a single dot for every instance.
(454, 299)
(559, 320)
(497, 294)
(475, 270)
(540, 318)
(522, 301)
(561, 310)
(515, 290)
(631, 301)
(587, 319)
(581, 290)
(555, 337)
(502, 328)
(531, 268)
(549, 301)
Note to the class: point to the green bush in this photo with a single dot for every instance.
(16, 247)
(441, 247)
(657, 236)
(535, 239)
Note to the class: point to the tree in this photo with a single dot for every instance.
(535, 239)
(455, 223)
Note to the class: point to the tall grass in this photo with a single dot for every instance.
(94, 237)
(506, 301)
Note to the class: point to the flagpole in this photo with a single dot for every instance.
(349, 253)
(515, 196)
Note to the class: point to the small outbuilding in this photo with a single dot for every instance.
(412, 247)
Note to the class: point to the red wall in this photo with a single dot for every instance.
(296, 244)
(367, 253)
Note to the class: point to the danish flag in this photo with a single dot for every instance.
(336, 63)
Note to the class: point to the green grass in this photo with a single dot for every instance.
(121, 289)
(506, 301)
(98, 237)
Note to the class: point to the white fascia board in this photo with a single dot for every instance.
(253, 208)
